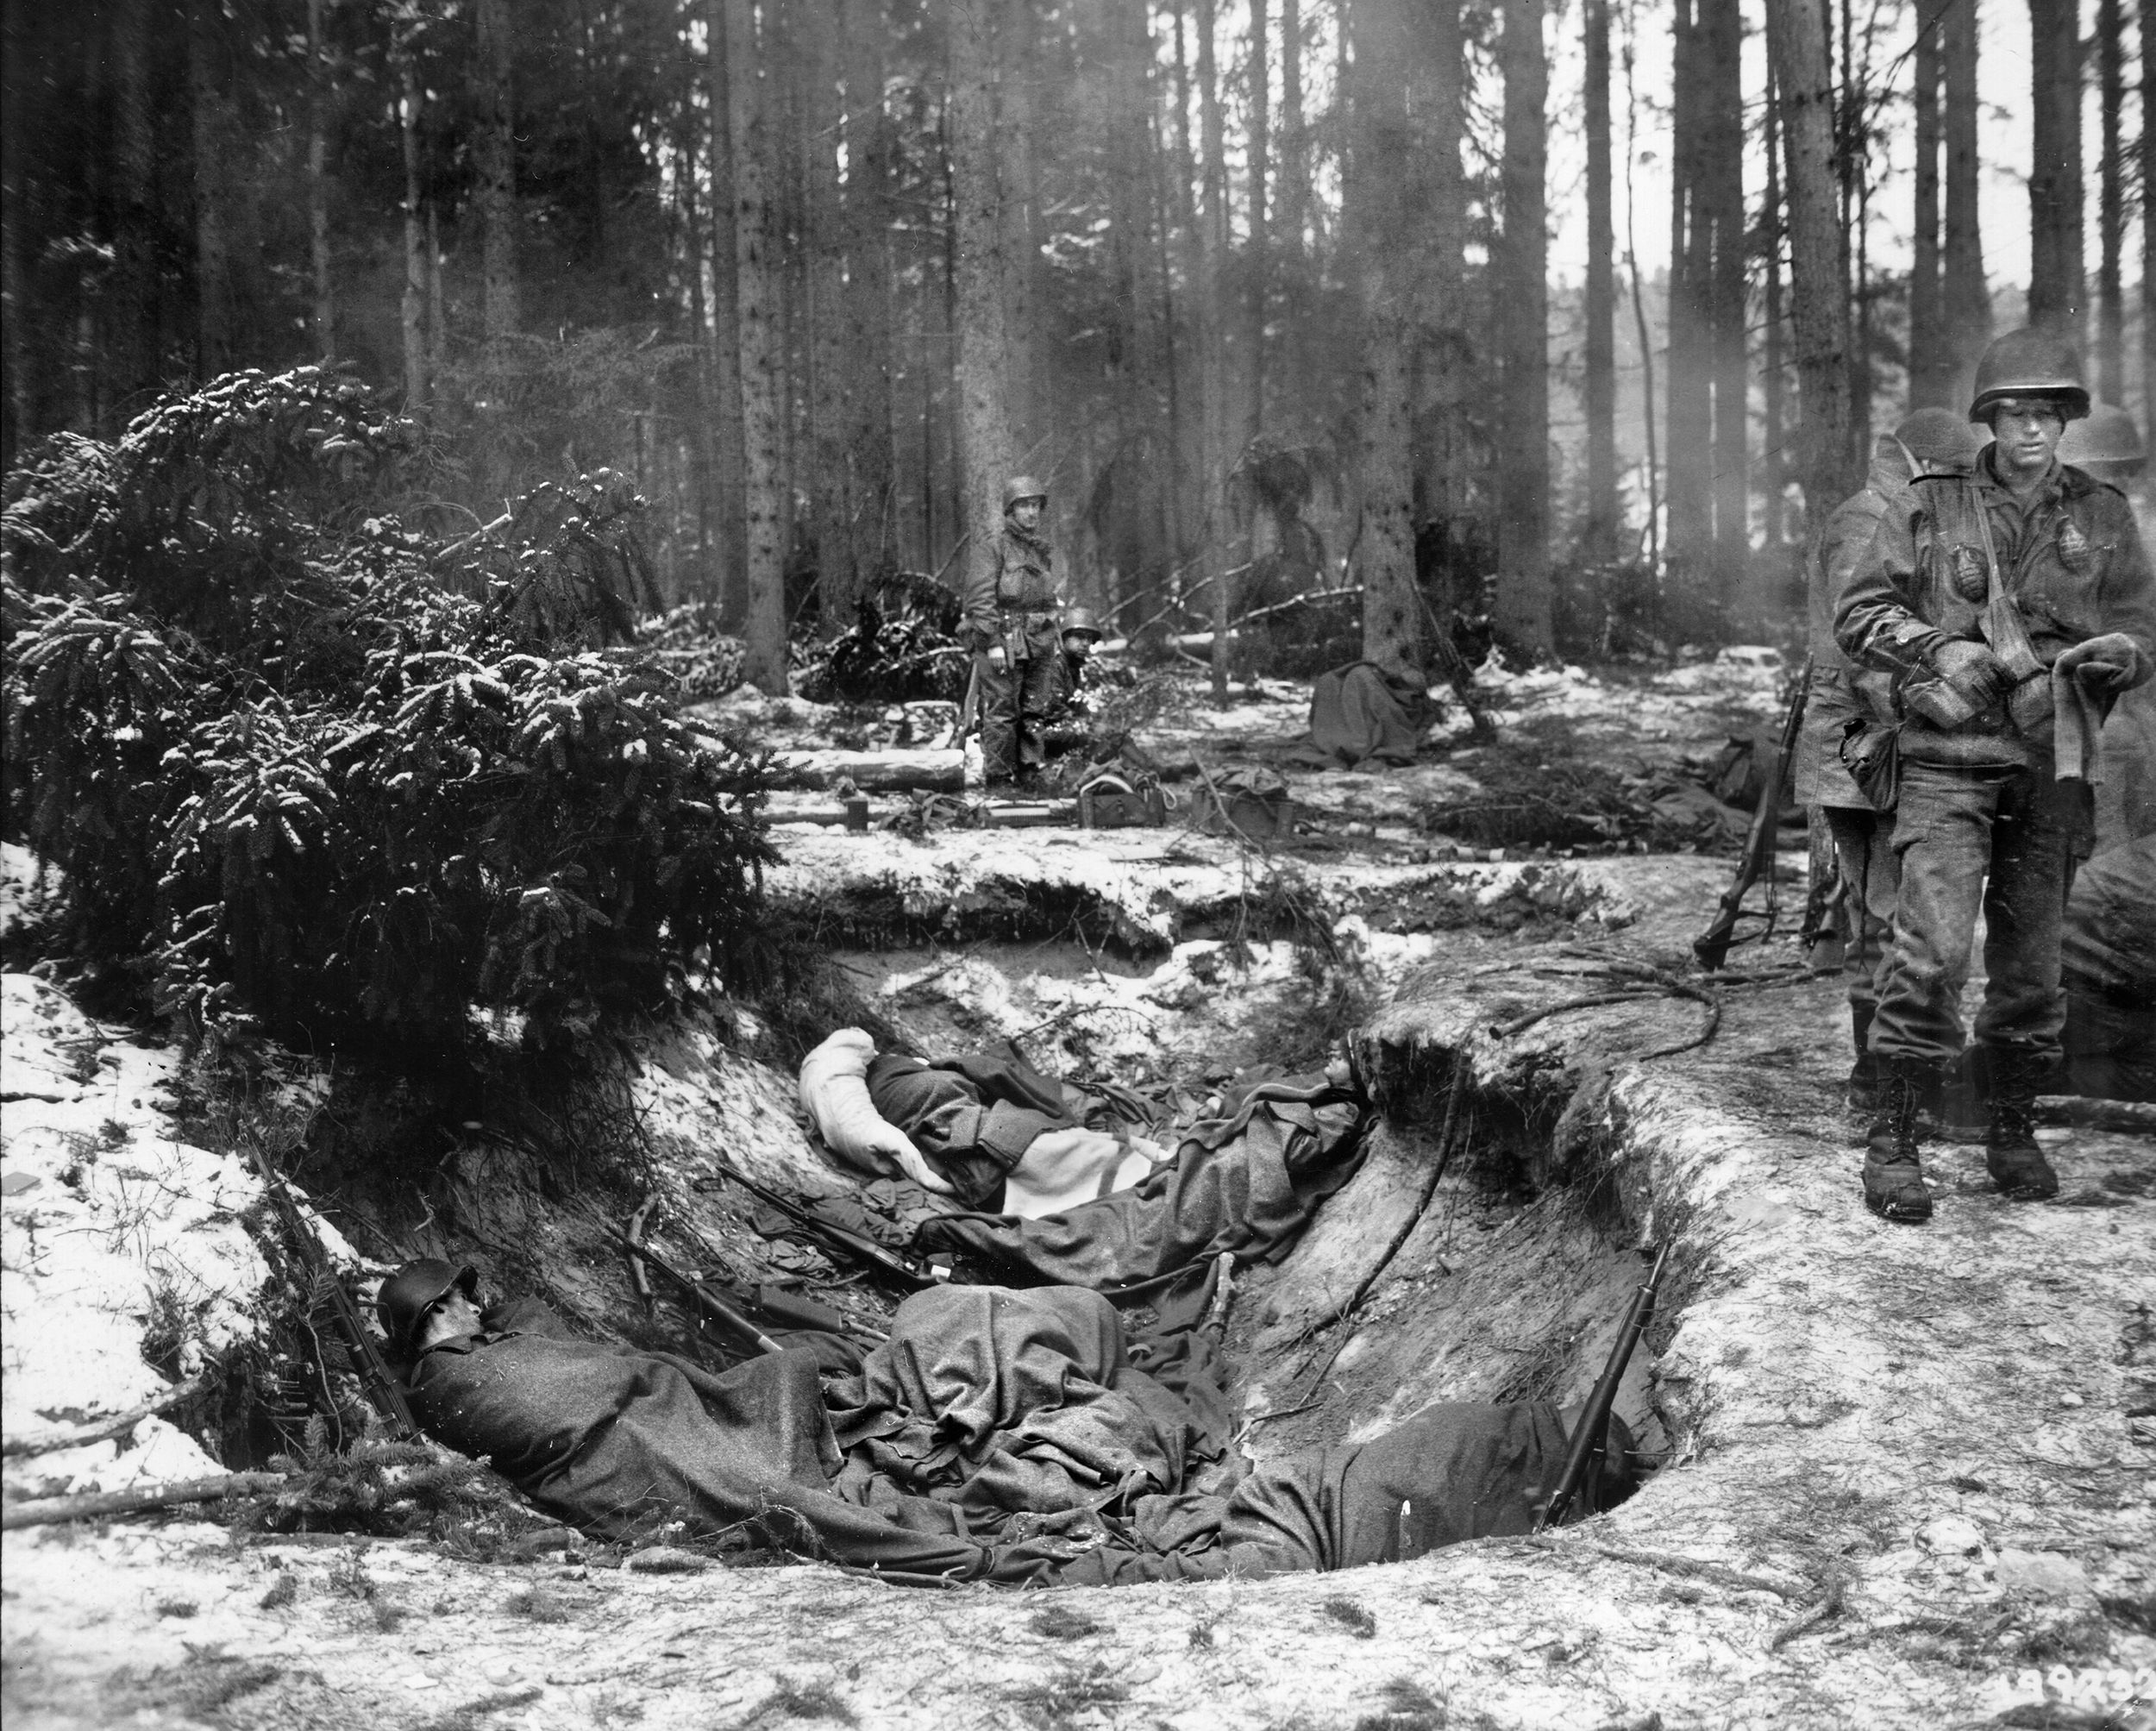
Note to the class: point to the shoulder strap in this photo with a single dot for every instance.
(2002, 626)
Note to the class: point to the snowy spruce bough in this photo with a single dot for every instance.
(311, 772)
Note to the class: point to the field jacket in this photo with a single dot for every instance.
(1014, 574)
(1821, 778)
(2070, 558)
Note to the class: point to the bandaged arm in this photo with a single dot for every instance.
(834, 1094)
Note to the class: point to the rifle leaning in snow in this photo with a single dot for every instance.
(1590, 1437)
(382, 1391)
(855, 1246)
(1712, 945)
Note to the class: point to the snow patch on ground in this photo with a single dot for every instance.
(116, 1236)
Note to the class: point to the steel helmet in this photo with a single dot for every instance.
(1937, 440)
(402, 1304)
(1081, 620)
(2108, 445)
(2031, 363)
(1020, 488)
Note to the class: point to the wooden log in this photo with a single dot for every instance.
(118, 1425)
(933, 771)
(95, 1505)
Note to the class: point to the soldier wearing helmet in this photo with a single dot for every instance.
(426, 1303)
(1978, 600)
(1931, 442)
(2107, 445)
(1012, 620)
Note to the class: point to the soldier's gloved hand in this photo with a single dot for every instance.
(2111, 664)
(1972, 669)
(997, 658)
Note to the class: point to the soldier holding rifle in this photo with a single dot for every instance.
(1978, 599)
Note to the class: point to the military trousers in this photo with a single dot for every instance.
(1997, 842)
(1872, 883)
(1019, 698)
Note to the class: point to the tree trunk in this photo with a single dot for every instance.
(1260, 248)
(1135, 546)
(325, 306)
(1723, 185)
(210, 115)
(1381, 162)
(1017, 109)
(1773, 415)
(1599, 540)
(820, 27)
(2056, 289)
(1444, 452)
(1796, 37)
(1182, 317)
(1520, 611)
(496, 159)
(756, 276)
(2148, 218)
(135, 343)
(412, 305)
(729, 443)
(1294, 143)
(1639, 313)
(1214, 449)
(2111, 368)
(1930, 381)
(1966, 302)
(870, 150)
(1688, 452)
(980, 272)
(19, 393)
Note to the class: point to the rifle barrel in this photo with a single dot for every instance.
(710, 1301)
(1589, 1438)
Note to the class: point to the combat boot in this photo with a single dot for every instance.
(1862, 1091)
(2011, 1152)
(1893, 1180)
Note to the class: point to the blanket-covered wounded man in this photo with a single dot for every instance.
(1013, 1436)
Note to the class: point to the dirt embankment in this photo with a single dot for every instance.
(1907, 1474)
(1906, 1480)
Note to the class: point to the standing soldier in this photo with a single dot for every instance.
(1931, 442)
(1975, 597)
(1013, 619)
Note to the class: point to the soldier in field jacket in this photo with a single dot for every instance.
(1997, 616)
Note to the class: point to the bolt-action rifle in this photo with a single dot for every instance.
(632, 1241)
(1712, 945)
(1590, 1436)
(384, 1393)
(854, 1246)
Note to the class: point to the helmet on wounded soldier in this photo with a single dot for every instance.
(406, 1296)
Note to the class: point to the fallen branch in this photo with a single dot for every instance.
(46, 1511)
(1803, 1624)
(118, 1425)
(1718, 1574)
(2091, 1113)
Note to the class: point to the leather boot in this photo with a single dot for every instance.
(1862, 1091)
(1893, 1181)
(2011, 1153)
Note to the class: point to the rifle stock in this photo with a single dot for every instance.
(1587, 1437)
(1712, 945)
